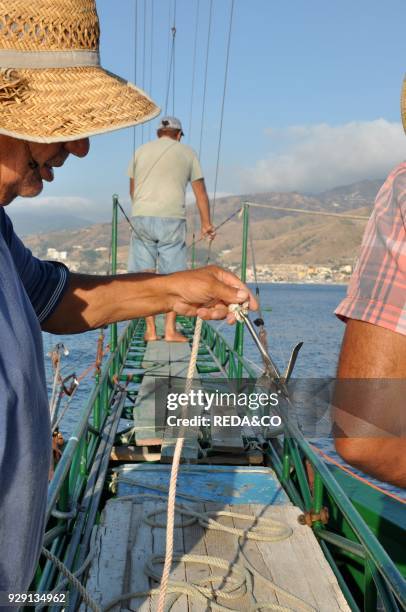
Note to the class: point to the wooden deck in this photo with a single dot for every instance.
(125, 541)
(161, 361)
(164, 360)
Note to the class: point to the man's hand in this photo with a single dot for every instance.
(207, 293)
(94, 301)
(208, 231)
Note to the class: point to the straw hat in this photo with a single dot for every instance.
(52, 87)
(403, 104)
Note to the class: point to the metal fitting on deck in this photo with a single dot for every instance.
(308, 518)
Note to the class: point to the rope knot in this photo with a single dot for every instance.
(236, 309)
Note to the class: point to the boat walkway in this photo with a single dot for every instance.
(265, 556)
(163, 361)
(266, 571)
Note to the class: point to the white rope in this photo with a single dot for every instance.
(237, 308)
(174, 474)
(72, 579)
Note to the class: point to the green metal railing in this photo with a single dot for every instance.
(66, 490)
(378, 574)
(229, 361)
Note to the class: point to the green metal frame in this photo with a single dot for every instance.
(67, 486)
(239, 330)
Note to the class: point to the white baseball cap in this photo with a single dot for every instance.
(170, 122)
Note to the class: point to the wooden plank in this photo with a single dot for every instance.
(158, 363)
(298, 564)
(148, 412)
(309, 555)
(156, 358)
(251, 458)
(191, 447)
(194, 544)
(224, 545)
(281, 559)
(105, 581)
(178, 569)
(250, 550)
(133, 453)
(141, 547)
(226, 439)
(179, 354)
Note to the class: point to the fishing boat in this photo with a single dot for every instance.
(263, 520)
(263, 517)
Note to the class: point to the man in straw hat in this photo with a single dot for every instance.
(370, 424)
(53, 96)
(159, 172)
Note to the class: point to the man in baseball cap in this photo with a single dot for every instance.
(159, 174)
(172, 123)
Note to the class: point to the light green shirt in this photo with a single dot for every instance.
(161, 170)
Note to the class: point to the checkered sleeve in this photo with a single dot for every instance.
(377, 289)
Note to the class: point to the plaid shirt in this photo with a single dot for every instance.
(377, 290)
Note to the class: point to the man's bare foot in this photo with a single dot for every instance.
(150, 337)
(175, 337)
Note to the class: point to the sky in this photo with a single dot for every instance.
(312, 99)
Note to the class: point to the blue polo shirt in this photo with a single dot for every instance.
(30, 290)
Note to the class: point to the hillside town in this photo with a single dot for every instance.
(91, 261)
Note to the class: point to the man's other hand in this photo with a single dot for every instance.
(208, 231)
(207, 293)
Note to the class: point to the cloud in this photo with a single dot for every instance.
(312, 158)
(67, 204)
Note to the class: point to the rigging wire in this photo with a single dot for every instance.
(168, 57)
(319, 213)
(135, 61)
(222, 107)
(233, 214)
(151, 36)
(174, 57)
(213, 206)
(192, 94)
(205, 78)
(171, 68)
(144, 46)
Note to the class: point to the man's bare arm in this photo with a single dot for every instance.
(93, 301)
(131, 188)
(369, 402)
(202, 201)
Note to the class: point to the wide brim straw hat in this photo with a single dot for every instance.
(403, 104)
(52, 87)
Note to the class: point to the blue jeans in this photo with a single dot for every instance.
(158, 244)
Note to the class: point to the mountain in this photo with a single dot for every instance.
(279, 238)
(41, 222)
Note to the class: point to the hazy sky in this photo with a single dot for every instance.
(312, 101)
